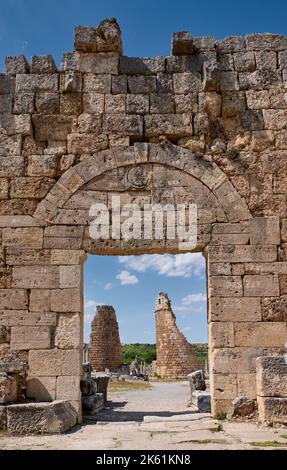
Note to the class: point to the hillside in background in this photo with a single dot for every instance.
(147, 352)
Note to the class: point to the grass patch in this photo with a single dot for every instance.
(267, 444)
(284, 436)
(124, 386)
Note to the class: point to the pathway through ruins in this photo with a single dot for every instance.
(156, 418)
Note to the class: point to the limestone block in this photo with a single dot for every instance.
(33, 277)
(68, 388)
(10, 145)
(71, 103)
(68, 331)
(36, 83)
(16, 65)
(106, 37)
(141, 65)
(25, 318)
(42, 165)
(210, 103)
(221, 335)
(244, 61)
(43, 64)
(119, 82)
(186, 83)
(182, 43)
(230, 239)
(283, 284)
(284, 230)
(242, 253)
(30, 187)
(13, 299)
(51, 127)
(10, 167)
(224, 387)
(41, 388)
(93, 404)
(246, 384)
(225, 286)
(266, 60)
(227, 228)
(257, 334)
(229, 81)
(98, 64)
(274, 42)
(272, 410)
(201, 400)
(6, 103)
(47, 103)
(231, 360)
(171, 125)
(66, 300)
(226, 62)
(40, 418)
(30, 337)
(87, 143)
(100, 83)
(40, 300)
(121, 124)
(164, 82)
(275, 118)
(93, 103)
(115, 104)
(45, 363)
(141, 84)
(257, 99)
(31, 237)
(72, 361)
(7, 84)
(161, 104)
(220, 269)
(8, 388)
(231, 44)
(71, 82)
(67, 257)
(3, 418)
(261, 284)
(137, 104)
(271, 376)
(4, 188)
(265, 231)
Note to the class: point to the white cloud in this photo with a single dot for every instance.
(187, 328)
(183, 265)
(90, 303)
(193, 298)
(108, 286)
(126, 278)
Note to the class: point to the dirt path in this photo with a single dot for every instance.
(156, 418)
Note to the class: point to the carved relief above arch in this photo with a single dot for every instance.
(144, 174)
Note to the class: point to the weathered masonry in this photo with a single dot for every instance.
(205, 125)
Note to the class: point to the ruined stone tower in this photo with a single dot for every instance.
(174, 354)
(105, 344)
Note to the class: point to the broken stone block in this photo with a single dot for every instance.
(3, 418)
(105, 38)
(272, 410)
(17, 64)
(93, 404)
(8, 388)
(271, 376)
(43, 64)
(196, 380)
(182, 43)
(201, 400)
(41, 418)
(102, 382)
(243, 407)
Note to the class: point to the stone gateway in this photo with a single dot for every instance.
(205, 125)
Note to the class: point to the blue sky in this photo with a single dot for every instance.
(40, 27)
(131, 284)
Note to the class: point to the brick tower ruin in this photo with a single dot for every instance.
(174, 354)
(105, 344)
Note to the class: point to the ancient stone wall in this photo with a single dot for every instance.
(207, 125)
(105, 346)
(174, 355)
